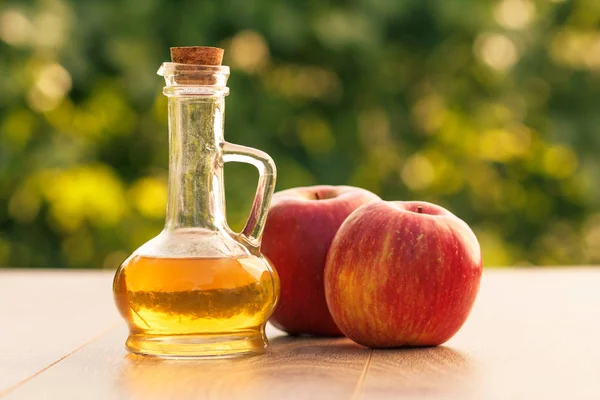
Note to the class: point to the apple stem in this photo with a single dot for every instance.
(317, 196)
(420, 209)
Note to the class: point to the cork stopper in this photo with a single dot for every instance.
(198, 66)
(197, 55)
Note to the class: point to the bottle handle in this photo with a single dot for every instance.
(252, 232)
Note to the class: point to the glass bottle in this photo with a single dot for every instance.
(198, 289)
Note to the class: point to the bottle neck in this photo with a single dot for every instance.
(196, 191)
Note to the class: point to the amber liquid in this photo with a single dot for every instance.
(195, 306)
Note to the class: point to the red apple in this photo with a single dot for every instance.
(402, 274)
(300, 227)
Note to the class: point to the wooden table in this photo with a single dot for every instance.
(534, 334)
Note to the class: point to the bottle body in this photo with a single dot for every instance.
(198, 289)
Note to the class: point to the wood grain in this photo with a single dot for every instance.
(46, 314)
(532, 335)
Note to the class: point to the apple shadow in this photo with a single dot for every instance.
(416, 371)
(316, 346)
(308, 338)
(413, 371)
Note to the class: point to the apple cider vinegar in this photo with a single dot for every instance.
(193, 296)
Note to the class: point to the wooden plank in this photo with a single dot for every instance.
(295, 368)
(46, 314)
(533, 334)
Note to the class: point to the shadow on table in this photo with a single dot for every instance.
(310, 367)
(420, 372)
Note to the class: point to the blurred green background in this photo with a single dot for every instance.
(489, 108)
